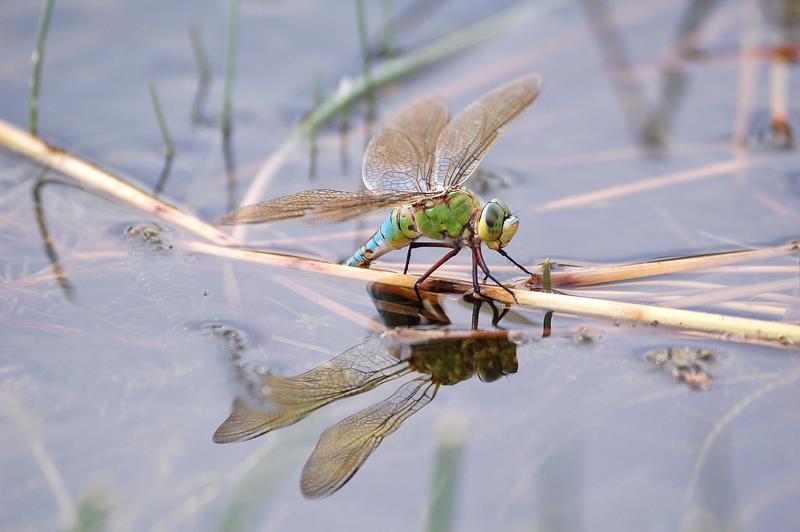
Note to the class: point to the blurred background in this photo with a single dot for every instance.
(664, 128)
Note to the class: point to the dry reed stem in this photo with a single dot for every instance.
(774, 205)
(95, 177)
(734, 292)
(757, 307)
(643, 185)
(593, 158)
(694, 288)
(622, 272)
(734, 328)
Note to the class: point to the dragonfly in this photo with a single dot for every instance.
(437, 357)
(417, 165)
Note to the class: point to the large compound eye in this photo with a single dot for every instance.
(490, 226)
(510, 226)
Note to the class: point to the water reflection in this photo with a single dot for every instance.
(653, 119)
(419, 347)
(783, 18)
(49, 247)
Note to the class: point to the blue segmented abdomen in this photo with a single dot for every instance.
(388, 237)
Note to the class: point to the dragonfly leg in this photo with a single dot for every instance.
(496, 314)
(517, 264)
(476, 313)
(475, 286)
(408, 258)
(423, 245)
(452, 253)
(500, 316)
(482, 263)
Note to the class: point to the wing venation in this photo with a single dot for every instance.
(400, 155)
(466, 139)
(320, 205)
(343, 448)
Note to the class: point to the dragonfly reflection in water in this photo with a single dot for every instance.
(439, 357)
(418, 164)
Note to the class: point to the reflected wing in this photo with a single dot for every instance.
(289, 400)
(400, 156)
(343, 448)
(465, 140)
(318, 205)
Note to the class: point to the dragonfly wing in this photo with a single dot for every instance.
(358, 203)
(288, 400)
(319, 205)
(343, 448)
(400, 156)
(466, 139)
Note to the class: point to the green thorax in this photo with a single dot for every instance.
(449, 216)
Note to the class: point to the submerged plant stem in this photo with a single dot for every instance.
(37, 59)
(203, 75)
(162, 123)
(49, 247)
(230, 68)
(547, 279)
(226, 119)
(442, 500)
(366, 59)
(169, 148)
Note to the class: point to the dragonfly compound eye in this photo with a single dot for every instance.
(490, 226)
(507, 232)
(510, 226)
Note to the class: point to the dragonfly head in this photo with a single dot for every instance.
(496, 358)
(497, 226)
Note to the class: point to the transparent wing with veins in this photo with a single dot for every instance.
(419, 153)
(343, 448)
(319, 205)
(397, 169)
(400, 156)
(288, 400)
(466, 139)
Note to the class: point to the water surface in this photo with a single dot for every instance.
(112, 382)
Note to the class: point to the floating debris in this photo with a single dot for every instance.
(587, 335)
(148, 236)
(687, 364)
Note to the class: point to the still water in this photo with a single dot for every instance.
(116, 373)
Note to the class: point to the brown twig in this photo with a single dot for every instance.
(95, 177)
(644, 185)
(621, 272)
(734, 328)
